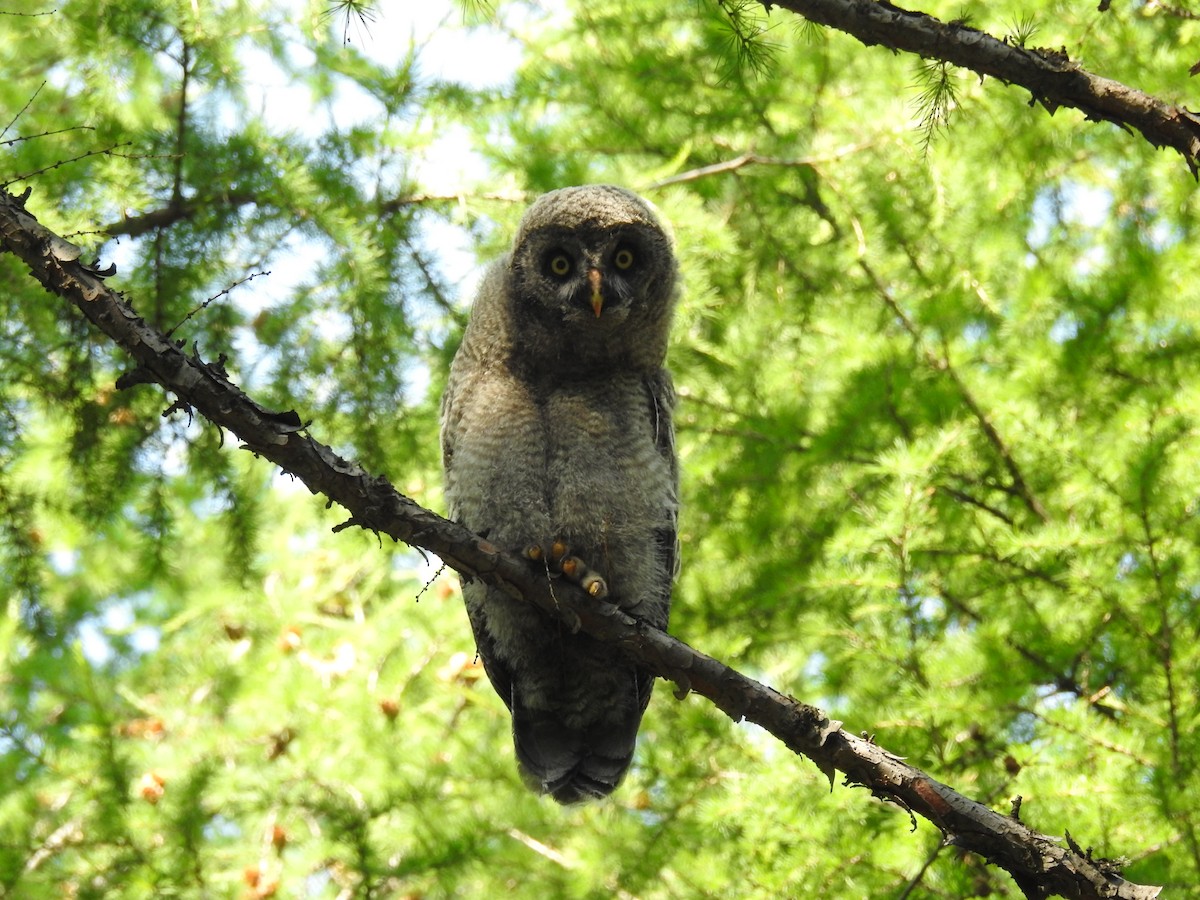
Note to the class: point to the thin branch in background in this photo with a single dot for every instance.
(942, 364)
(920, 874)
(21, 111)
(181, 126)
(103, 151)
(176, 211)
(541, 849)
(753, 159)
(1088, 735)
(1170, 9)
(176, 201)
(397, 203)
(1163, 642)
(30, 137)
(215, 297)
(964, 497)
(434, 287)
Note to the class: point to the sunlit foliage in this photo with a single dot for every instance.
(937, 357)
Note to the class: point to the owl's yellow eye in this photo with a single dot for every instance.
(623, 258)
(559, 264)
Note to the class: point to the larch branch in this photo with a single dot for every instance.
(1050, 76)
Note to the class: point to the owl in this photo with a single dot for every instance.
(557, 444)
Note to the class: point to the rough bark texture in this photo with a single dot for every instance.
(1048, 74)
(1037, 862)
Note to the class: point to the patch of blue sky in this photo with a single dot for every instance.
(1070, 204)
(1064, 328)
(446, 50)
(63, 562)
(975, 333)
(112, 633)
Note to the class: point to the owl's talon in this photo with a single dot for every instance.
(587, 578)
(555, 555)
(595, 585)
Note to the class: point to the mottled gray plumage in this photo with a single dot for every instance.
(556, 426)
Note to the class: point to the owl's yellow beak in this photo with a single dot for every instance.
(597, 297)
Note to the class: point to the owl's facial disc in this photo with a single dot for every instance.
(588, 278)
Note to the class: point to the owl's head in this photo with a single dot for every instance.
(593, 267)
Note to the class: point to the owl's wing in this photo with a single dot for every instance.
(662, 405)
(463, 375)
(497, 670)
(661, 394)
(450, 417)
(663, 400)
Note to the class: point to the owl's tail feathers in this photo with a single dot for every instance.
(569, 764)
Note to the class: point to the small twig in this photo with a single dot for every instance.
(753, 159)
(30, 137)
(920, 874)
(104, 151)
(217, 296)
(429, 582)
(541, 849)
(396, 203)
(21, 111)
(1170, 9)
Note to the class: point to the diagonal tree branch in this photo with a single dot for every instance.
(1049, 75)
(942, 364)
(1038, 863)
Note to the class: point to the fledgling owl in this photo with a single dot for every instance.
(557, 444)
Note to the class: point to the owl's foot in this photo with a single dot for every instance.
(558, 559)
(587, 578)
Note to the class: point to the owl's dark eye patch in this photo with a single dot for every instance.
(558, 264)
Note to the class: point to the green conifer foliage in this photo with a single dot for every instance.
(939, 377)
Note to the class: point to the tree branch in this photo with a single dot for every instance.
(753, 159)
(178, 209)
(942, 364)
(1049, 75)
(1038, 864)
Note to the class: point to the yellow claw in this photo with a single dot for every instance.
(533, 552)
(559, 549)
(595, 586)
